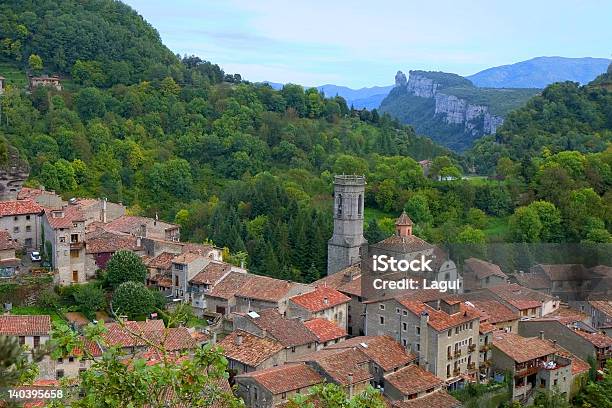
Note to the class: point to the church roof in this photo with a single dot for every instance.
(403, 219)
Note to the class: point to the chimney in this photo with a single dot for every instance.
(104, 210)
(264, 333)
(350, 380)
(541, 334)
(238, 340)
(143, 230)
(325, 301)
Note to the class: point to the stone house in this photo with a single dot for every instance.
(22, 219)
(213, 273)
(8, 259)
(184, 268)
(583, 342)
(529, 303)
(221, 299)
(100, 246)
(64, 232)
(100, 210)
(262, 292)
(326, 332)
(44, 198)
(145, 228)
(322, 302)
(274, 386)
(385, 354)
(248, 352)
(73, 365)
(45, 80)
(160, 271)
(493, 311)
(600, 312)
(414, 384)
(443, 333)
(533, 363)
(348, 282)
(478, 274)
(32, 331)
(291, 333)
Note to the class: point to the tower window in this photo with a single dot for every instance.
(359, 205)
(339, 212)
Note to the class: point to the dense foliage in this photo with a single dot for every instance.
(125, 266)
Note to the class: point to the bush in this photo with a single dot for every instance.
(89, 299)
(134, 300)
(125, 266)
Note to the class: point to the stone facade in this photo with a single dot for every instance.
(13, 173)
(344, 248)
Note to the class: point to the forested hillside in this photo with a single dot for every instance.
(235, 163)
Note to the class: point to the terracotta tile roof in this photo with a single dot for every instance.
(289, 332)
(161, 261)
(19, 207)
(533, 281)
(285, 378)
(522, 349)
(131, 224)
(413, 379)
(6, 241)
(227, 288)
(161, 280)
(321, 298)
(403, 219)
(486, 327)
(439, 319)
(24, 325)
(566, 316)
(186, 258)
(212, 273)
(153, 330)
(110, 242)
(383, 350)
(65, 217)
(264, 288)
(200, 249)
(438, 399)
(604, 306)
(339, 364)
(252, 350)
(325, 330)
(579, 366)
(599, 340)
(520, 297)
(400, 244)
(27, 193)
(483, 269)
(347, 280)
(93, 349)
(492, 310)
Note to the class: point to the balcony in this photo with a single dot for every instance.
(77, 245)
(456, 372)
(472, 347)
(485, 348)
(471, 366)
(457, 353)
(449, 356)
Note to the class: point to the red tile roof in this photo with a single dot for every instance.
(347, 281)
(566, 316)
(491, 308)
(264, 288)
(23, 325)
(522, 349)
(321, 298)
(251, 350)
(439, 319)
(325, 330)
(520, 297)
(483, 269)
(340, 363)
(285, 378)
(186, 258)
(403, 219)
(413, 379)
(131, 224)
(19, 207)
(161, 261)
(579, 366)
(110, 242)
(227, 288)
(599, 340)
(402, 244)
(211, 274)
(289, 332)
(6, 241)
(486, 327)
(438, 399)
(139, 334)
(65, 217)
(383, 350)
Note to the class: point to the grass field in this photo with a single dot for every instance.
(377, 214)
(35, 310)
(497, 229)
(13, 73)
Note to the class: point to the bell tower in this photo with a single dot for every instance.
(343, 249)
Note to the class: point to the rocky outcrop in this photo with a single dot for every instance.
(13, 172)
(476, 119)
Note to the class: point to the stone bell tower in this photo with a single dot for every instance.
(343, 249)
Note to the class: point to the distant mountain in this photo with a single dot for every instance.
(368, 98)
(540, 72)
(448, 108)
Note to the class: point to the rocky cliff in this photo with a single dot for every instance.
(449, 108)
(13, 172)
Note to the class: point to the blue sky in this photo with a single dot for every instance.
(363, 43)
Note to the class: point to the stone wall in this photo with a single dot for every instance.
(13, 173)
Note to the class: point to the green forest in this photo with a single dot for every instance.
(249, 168)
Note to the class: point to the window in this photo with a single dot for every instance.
(74, 253)
(381, 306)
(397, 310)
(448, 370)
(418, 330)
(15, 229)
(471, 325)
(284, 395)
(59, 374)
(21, 340)
(450, 332)
(74, 238)
(75, 276)
(405, 313)
(28, 217)
(62, 239)
(71, 359)
(381, 319)
(293, 349)
(405, 342)
(339, 205)
(36, 341)
(359, 205)
(60, 361)
(418, 347)
(404, 326)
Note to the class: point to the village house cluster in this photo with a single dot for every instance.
(281, 338)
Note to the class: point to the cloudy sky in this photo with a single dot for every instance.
(363, 43)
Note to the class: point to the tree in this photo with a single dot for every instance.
(597, 393)
(417, 208)
(333, 396)
(471, 235)
(525, 225)
(134, 300)
(477, 218)
(125, 266)
(15, 367)
(89, 298)
(373, 233)
(35, 63)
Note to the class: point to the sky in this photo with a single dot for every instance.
(364, 43)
